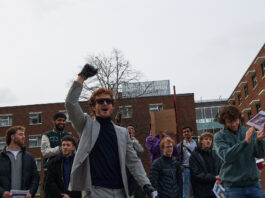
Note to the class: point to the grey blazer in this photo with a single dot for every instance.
(88, 130)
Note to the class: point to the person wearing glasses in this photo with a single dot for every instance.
(185, 147)
(165, 172)
(105, 149)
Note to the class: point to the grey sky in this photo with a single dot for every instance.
(201, 46)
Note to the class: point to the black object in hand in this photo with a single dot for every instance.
(148, 189)
(88, 71)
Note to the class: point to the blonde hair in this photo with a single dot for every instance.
(166, 140)
(204, 135)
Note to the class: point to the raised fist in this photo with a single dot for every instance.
(88, 71)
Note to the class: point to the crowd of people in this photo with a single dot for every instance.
(105, 162)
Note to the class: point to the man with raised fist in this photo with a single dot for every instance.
(105, 149)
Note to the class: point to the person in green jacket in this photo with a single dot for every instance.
(238, 146)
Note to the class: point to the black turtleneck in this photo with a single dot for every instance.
(104, 157)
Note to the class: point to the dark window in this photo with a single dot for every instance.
(258, 107)
(254, 80)
(242, 120)
(239, 98)
(246, 90)
(249, 115)
(263, 68)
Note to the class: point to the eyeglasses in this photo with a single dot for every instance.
(107, 100)
(168, 146)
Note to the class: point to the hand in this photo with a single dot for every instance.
(218, 180)
(261, 134)
(148, 189)
(7, 194)
(249, 134)
(88, 71)
(64, 195)
(163, 133)
(28, 195)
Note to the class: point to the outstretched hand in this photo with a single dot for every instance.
(88, 71)
(249, 134)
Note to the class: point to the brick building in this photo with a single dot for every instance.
(38, 118)
(249, 94)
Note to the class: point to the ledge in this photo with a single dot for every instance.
(246, 110)
(242, 84)
(250, 73)
(262, 92)
(253, 102)
(259, 60)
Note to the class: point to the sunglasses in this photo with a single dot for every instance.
(102, 100)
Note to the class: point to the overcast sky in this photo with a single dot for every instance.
(202, 46)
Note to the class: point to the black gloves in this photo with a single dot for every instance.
(148, 189)
(88, 71)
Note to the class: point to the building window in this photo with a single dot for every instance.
(249, 114)
(2, 143)
(35, 118)
(246, 90)
(126, 111)
(38, 163)
(258, 107)
(155, 107)
(263, 68)
(5, 120)
(34, 141)
(254, 80)
(239, 98)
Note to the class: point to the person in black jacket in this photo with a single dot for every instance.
(204, 166)
(18, 170)
(59, 170)
(165, 172)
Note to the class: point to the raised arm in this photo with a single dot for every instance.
(75, 112)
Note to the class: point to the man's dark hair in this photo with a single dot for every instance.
(69, 138)
(130, 125)
(230, 113)
(186, 127)
(59, 115)
(12, 131)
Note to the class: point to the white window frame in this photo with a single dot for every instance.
(126, 111)
(66, 114)
(9, 120)
(39, 118)
(156, 107)
(38, 142)
(2, 142)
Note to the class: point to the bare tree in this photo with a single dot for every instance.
(113, 71)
